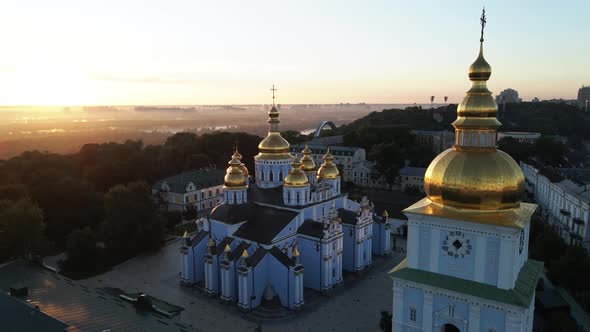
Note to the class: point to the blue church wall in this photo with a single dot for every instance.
(491, 319)
(310, 259)
(260, 278)
(348, 248)
(279, 279)
(460, 267)
(367, 254)
(441, 304)
(424, 254)
(413, 298)
(491, 267)
(379, 240)
(199, 258)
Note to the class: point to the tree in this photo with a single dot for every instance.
(132, 221)
(21, 229)
(196, 161)
(82, 252)
(550, 151)
(190, 212)
(518, 151)
(389, 159)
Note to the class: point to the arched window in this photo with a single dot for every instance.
(270, 175)
(298, 198)
(261, 175)
(280, 175)
(235, 197)
(289, 196)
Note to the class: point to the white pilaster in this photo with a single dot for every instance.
(427, 312)
(506, 264)
(434, 249)
(514, 322)
(413, 245)
(398, 309)
(474, 317)
(480, 258)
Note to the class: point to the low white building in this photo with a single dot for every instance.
(412, 178)
(202, 189)
(366, 174)
(520, 136)
(438, 140)
(563, 202)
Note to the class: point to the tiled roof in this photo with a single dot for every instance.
(347, 216)
(84, 308)
(521, 295)
(412, 171)
(264, 224)
(312, 228)
(202, 178)
(18, 315)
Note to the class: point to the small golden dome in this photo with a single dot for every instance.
(307, 163)
(385, 213)
(234, 177)
(480, 69)
(295, 252)
(328, 170)
(273, 146)
(244, 254)
(296, 177)
(227, 248)
(242, 167)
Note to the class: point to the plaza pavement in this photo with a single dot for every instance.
(354, 306)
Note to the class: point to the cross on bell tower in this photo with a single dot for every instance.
(483, 22)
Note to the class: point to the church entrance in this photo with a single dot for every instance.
(450, 328)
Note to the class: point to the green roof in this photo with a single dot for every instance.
(521, 295)
(202, 178)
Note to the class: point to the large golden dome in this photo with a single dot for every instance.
(234, 177)
(328, 170)
(296, 177)
(273, 146)
(474, 175)
(307, 163)
(481, 180)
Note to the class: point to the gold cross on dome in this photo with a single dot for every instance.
(273, 89)
(483, 22)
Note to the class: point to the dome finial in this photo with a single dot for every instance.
(273, 89)
(483, 22)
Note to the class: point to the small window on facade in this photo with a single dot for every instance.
(210, 193)
(413, 314)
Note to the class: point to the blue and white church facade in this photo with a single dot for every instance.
(292, 228)
(467, 268)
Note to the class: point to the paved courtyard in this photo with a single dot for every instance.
(355, 306)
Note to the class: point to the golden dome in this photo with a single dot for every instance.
(242, 167)
(273, 146)
(474, 175)
(234, 177)
(328, 170)
(296, 177)
(480, 180)
(307, 163)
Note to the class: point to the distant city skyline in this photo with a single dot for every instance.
(67, 52)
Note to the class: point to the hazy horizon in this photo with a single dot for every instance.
(68, 52)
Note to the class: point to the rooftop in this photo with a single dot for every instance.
(19, 316)
(412, 171)
(202, 178)
(83, 308)
(520, 295)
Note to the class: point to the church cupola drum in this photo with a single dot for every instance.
(273, 161)
(235, 187)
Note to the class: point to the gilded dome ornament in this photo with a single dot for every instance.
(474, 175)
(328, 170)
(296, 177)
(307, 163)
(234, 177)
(273, 146)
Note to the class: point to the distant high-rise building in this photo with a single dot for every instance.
(584, 98)
(508, 96)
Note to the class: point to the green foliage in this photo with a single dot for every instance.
(190, 212)
(550, 151)
(294, 137)
(132, 221)
(21, 229)
(82, 252)
(518, 151)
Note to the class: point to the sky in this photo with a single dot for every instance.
(180, 52)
